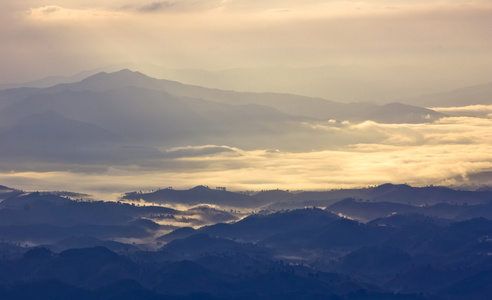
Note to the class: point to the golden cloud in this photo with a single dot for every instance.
(445, 152)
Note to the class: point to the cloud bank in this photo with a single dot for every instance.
(447, 152)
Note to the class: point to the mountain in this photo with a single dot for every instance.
(476, 286)
(179, 233)
(376, 263)
(51, 136)
(317, 108)
(366, 211)
(54, 80)
(198, 245)
(141, 114)
(378, 201)
(107, 273)
(51, 126)
(6, 192)
(77, 242)
(472, 95)
(88, 267)
(37, 208)
(40, 218)
(402, 113)
(96, 249)
(194, 196)
(135, 106)
(259, 227)
(427, 195)
(126, 118)
(272, 196)
(128, 105)
(395, 193)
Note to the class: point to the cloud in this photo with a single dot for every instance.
(446, 152)
(179, 6)
(155, 6)
(317, 170)
(58, 13)
(206, 150)
(449, 130)
(471, 110)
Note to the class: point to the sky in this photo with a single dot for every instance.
(428, 46)
(354, 50)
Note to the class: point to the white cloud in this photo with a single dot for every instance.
(471, 110)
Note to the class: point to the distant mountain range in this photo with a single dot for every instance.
(472, 95)
(401, 194)
(344, 83)
(117, 117)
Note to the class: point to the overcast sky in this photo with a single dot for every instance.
(41, 38)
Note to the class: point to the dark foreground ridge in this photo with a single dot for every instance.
(435, 246)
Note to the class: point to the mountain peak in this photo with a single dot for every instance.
(200, 188)
(126, 73)
(121, 74)
(104, 81)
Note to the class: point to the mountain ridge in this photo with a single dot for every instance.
(317, 108)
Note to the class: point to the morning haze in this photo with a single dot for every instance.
(238, 149)
(387, 49)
